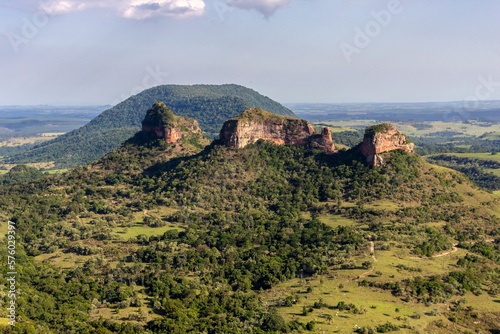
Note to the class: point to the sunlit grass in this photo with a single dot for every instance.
(126, 233)
(380, 306)
(480, 156)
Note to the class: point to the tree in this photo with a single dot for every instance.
(274, 322)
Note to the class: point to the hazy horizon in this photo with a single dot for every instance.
(283, 103)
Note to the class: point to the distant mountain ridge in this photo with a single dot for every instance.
(210, 105)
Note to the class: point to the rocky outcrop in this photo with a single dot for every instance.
(164, 124)
(322, 141)
(383, 138)
(254, 124)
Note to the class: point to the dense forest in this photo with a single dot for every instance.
(211, 105)
(237, 223)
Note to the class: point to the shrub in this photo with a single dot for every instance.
(387, 327)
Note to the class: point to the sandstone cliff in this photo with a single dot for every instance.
(383, 138)
(161, 121)
(254, 124)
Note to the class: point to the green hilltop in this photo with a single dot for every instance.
(159, 114)
(210, 105)
(254, 114)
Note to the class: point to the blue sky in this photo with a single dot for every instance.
(101, 52)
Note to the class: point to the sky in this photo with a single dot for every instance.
(68, 52)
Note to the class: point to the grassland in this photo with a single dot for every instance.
(335, 129)
(472, 128)
(140, 228)
(481, 156)
(331, 220)
(44, 166)
(137, 229)
(126, 314)
(493, 136)
(12, 142)
(378, 306)
(64, 260)
(4, 227)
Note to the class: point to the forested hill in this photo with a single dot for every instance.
(178, 238)
(210, 105)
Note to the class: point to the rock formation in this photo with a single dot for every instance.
(383, 138)
(323, 141)
(161, 121)
(254, 124)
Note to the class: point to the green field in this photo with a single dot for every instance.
(331, 220)
(493, 136)
(471, 129)
(378, 307)
(480, 156)
(4, 227)
(64, 260)
(335, 129)
(138, 229)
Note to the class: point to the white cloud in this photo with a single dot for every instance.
(55, 7)
(132, 9)
(266, 7)
(142, 9)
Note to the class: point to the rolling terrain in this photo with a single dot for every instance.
(183, 236)
(211, 104)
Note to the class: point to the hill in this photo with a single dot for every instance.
(161, 237)
(210, 105)
(20, 173)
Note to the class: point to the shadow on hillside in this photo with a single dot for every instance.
(173, 163)
(342, 157)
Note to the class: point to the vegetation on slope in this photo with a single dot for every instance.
(478, 170)
(258, 114)
(210, 105)
(247, 222)
(159, 115)
(20, 173)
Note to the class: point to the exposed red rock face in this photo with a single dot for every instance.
(323, 142)
(161, 120)
(254, 124)
(383, 138)
(170, 135)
